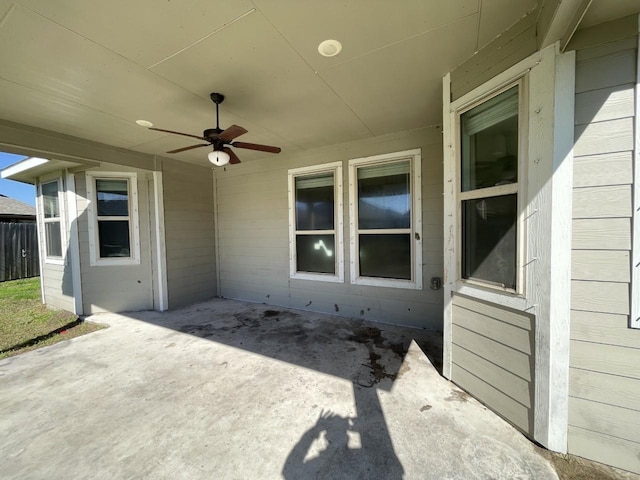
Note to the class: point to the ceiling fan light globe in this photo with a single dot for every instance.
(219, 159)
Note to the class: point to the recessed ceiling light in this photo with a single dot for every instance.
(330, 48)
(144, 123)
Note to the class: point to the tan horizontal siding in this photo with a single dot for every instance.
(604, 104)
(493, 357)
(601, 265)
(612, 359)
(614, 168)
(601, 234)
(602, 202)
(605, 328)
(604, 297)
(604, 385)
(617, 68)
(604, 388)
(604, 448)
(607, 419)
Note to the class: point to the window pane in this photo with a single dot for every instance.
(386, 256)
(50, 205)
(114, 238)
(113, 198)
(315, 253)
(53, 239)
(384, 196)
(490, 142)
(489, 239)
(314, 202)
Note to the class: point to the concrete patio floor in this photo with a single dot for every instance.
(232, 390)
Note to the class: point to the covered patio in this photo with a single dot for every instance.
(228, 389)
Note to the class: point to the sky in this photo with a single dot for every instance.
(18, 190)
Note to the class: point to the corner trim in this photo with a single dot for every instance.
(161, 250)
(74, 244)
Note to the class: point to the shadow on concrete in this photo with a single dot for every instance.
(369, 355)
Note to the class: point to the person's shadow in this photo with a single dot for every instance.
(346, 447)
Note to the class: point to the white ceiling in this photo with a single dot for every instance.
(90, 69)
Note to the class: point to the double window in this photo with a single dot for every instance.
(488, 191)
(113, 225)
(50, 195)
(385, 221)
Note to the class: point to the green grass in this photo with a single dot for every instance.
(26, 324)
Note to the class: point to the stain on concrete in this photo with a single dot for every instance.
(404, 368)
(458, 396)
(270, 313)
(424, 408)
(169, 345)
(335, 305)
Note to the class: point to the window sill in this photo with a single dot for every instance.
(54, 261)
(317, 277)
(114, 262)
(493, 295)
(386, 282)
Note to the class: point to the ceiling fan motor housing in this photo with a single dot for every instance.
(217, 98)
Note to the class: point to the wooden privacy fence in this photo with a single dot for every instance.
(18, 251)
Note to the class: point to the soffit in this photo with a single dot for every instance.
(602, 11)
(90, 70)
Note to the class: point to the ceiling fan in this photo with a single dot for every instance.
(219, 139)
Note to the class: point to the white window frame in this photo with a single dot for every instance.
(634, 318)
(415, 231)
(61, 219)
(501, 190)
(336, 169)
(133, 218)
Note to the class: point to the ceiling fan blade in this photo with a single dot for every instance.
(232, 132)
(184, 149)
(256, 146)
(234, 158)
(177, 133)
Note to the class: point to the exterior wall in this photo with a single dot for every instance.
(493, 358)
(513, 45)
(56, 280)
(57, 285)
(116, 288)
(604, 389)
(189, 233)
(543, 267)
(253, 233)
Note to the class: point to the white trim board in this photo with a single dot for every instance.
(22, 166)
(161, 251)
(634, 318)
(74, 244)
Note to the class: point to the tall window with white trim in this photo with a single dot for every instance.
(50, 193)
(315, 222)
(386, 220)
(488, 193)
(113, 216)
